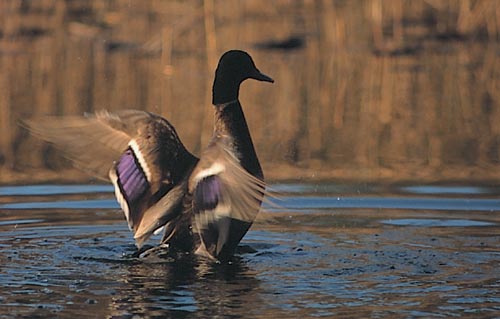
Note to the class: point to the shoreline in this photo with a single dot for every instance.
(276, 173)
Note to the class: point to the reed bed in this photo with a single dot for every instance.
(368, 90)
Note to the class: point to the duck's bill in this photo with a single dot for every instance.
(262, 77)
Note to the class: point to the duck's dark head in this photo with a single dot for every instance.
(234, 67)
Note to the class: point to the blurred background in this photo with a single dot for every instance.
(365, 90)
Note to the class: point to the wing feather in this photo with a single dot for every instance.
(89, 143)
(162, 212)
(226, 198)
(139, 151)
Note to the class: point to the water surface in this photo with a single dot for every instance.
(330, 250)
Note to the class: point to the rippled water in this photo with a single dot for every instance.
(330, 251)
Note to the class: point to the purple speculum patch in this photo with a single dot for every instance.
(208, 192)
(131, 177)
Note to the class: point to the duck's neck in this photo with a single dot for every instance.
(225, 89)
(231, 127)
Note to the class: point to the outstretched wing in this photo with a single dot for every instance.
(226, 200)
(90, 142)
(139, 151)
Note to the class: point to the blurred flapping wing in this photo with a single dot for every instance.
(139, 151)
(223, 192)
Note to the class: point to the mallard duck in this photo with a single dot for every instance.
(204, 205)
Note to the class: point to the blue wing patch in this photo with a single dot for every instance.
(131, 177)
(207, 193)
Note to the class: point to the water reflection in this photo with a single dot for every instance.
(51, 189)
(290, 197)
(68, 275)
(187, 287)
(330, 262)
(423, 222)
(436, 204)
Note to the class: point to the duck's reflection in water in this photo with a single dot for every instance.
(185, 287)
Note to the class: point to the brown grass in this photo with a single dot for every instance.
(407, 90)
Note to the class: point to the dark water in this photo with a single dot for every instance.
(332, 251)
